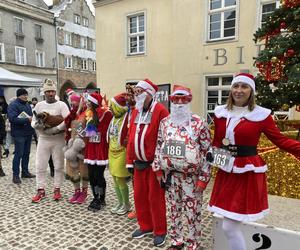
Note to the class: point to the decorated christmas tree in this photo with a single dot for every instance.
(278, 81)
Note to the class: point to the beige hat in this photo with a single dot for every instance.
(49, 85)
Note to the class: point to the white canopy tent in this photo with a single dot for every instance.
(11, 81)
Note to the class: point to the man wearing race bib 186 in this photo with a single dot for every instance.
(180, 165)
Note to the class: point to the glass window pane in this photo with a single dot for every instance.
(225, 94)
(215, 4)
(228, 15)
(226, 80)
(230, 2)
(229, 32)
(215, 17)
(141, 23)
(215, 26)
(133, 24)
(268, 7)
(215, 34)
(133, 44)
(214, 81)
(229, 24)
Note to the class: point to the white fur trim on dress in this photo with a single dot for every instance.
(244, 79)
(257, 114)
(236, 216)
(249, 167)
(96, 162)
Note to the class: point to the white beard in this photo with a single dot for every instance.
(180, 114)
(140, 99)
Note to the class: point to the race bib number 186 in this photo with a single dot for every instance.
(174, 149)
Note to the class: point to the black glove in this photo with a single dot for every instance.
(209, 157)
(130, 170)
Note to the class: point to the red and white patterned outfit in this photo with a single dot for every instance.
(149, 197)
(187, 172)
(242, 194)
(96, 153)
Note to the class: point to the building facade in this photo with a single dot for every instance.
(75, 44)
(27, 39)
(200, 44)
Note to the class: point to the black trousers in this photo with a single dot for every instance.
(97, 180)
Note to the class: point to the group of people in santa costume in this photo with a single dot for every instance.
(170, 154)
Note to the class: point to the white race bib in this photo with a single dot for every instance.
(174, 149)
(95, 138)
(222, 159)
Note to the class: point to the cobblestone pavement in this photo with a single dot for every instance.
(60, 225)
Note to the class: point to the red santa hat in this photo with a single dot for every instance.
(69, 92)
(95, 98)
(148, 86)
(75, 98)
(180, 90)
(119, 100)
(244, 78)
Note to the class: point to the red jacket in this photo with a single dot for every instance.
(141, 145)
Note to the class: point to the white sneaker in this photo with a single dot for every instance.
(124, 209)
(116, 208)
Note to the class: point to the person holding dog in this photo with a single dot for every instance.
(76, 170)
(51, 139)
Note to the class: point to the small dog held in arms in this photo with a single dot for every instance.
(47, 120)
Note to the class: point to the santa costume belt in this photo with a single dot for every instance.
(141, 165)
(240, 150)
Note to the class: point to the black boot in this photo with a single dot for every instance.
(1, 172)
(102, 196)
(95, 205)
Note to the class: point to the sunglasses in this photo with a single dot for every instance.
(184, 99)
(138, 91)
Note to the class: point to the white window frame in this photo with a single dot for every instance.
(84, 64)
(16, 25)
(68, 62)
(68, 38)
(77, 19)
(222, 11)
(83, 42)
(2, 51)
(137, 34)
(18, 56)
(85, 22)
(277, 2)
(40, 58)
(218, 88)
(94, 66)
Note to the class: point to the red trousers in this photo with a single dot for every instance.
(150, 203)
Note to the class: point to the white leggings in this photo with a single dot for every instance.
(234, 234)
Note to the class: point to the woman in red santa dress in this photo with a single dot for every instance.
(240, 190)
(96, 150)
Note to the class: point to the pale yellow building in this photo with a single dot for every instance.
(197, 43)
